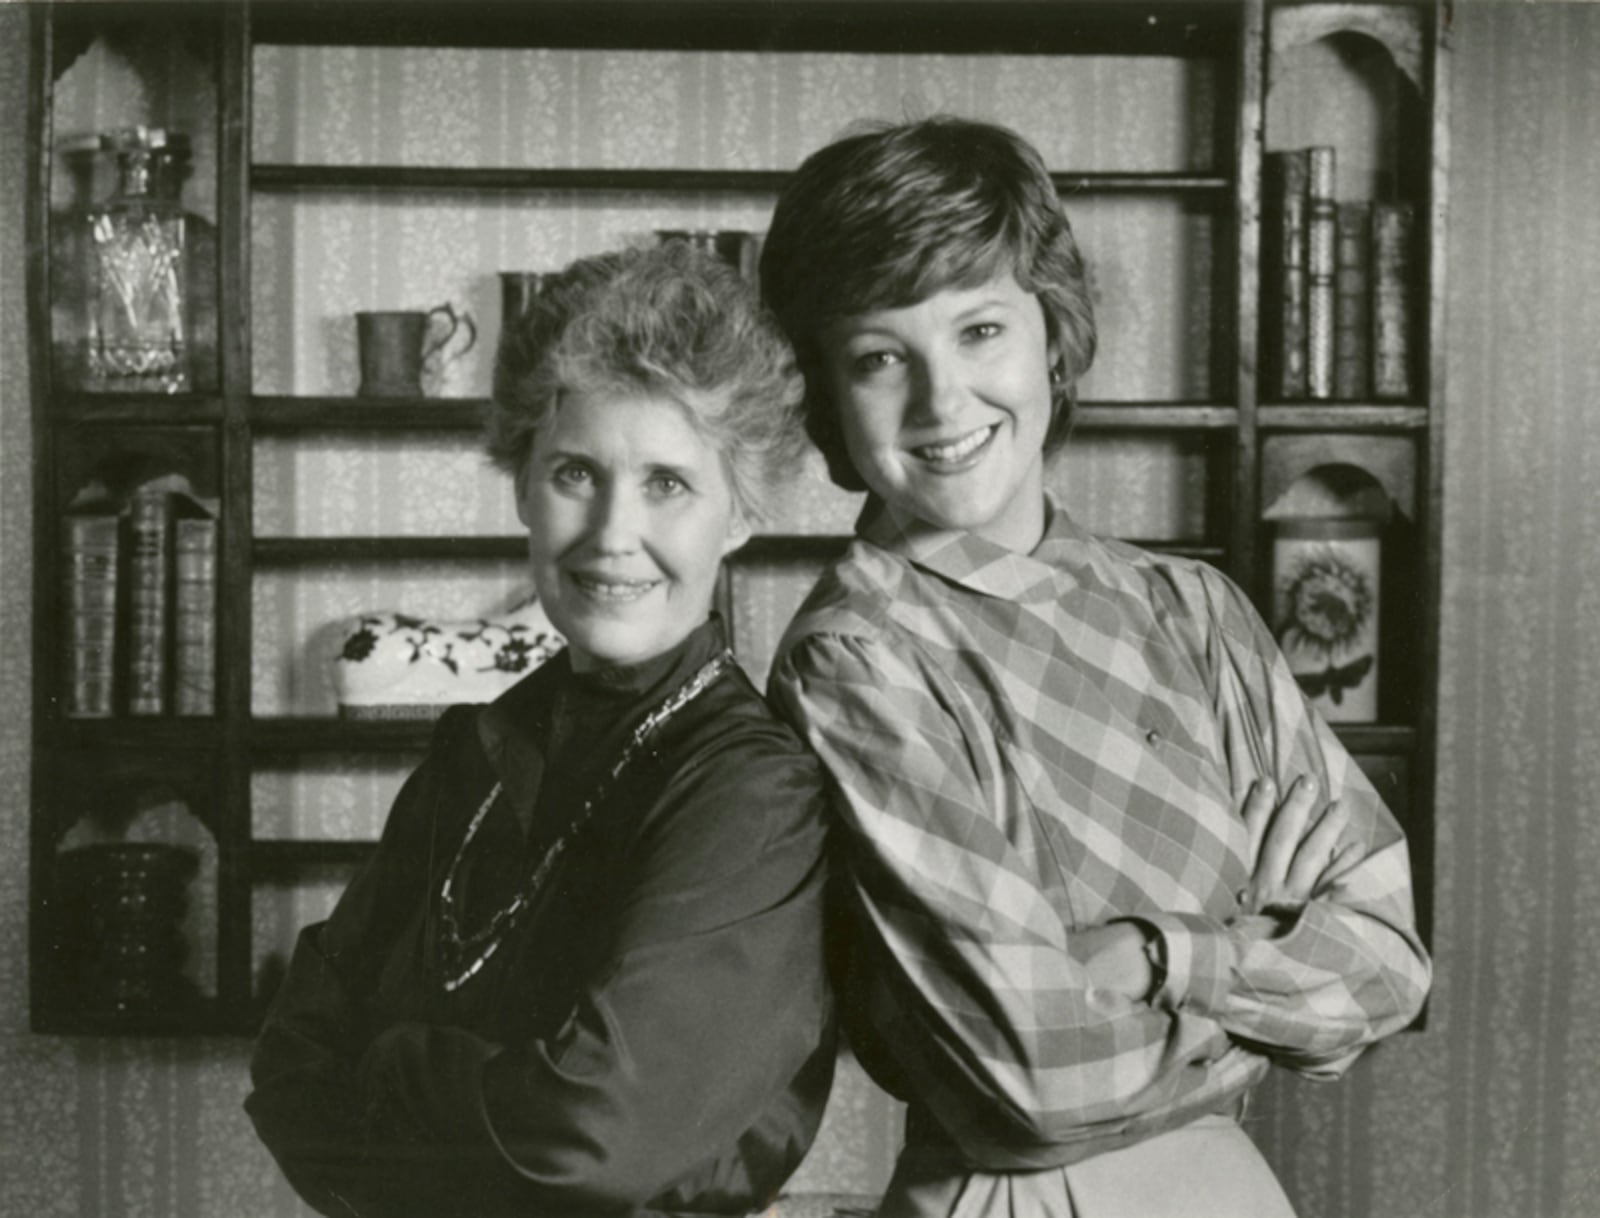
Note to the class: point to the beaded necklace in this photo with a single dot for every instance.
(455, 947)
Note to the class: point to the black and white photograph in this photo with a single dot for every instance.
(800, 608)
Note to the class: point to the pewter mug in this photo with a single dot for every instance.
(395, 348)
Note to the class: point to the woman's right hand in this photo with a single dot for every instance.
(1294, 846)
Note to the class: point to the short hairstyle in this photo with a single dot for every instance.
(888, 215)
(664, 320)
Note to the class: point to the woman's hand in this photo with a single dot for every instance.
(1116, 959)
(1294, 848)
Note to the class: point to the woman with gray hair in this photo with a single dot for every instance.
(583, 971)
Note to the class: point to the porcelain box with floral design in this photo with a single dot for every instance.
(395, 665)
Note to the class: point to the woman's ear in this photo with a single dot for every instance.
(739, 531)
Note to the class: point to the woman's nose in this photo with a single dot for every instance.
(614, 521)
(936, 390)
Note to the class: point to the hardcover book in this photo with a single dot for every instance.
(1392, 225)
(194, 650)
(1321, 238)
(1352, 304)
(149, 571)
(91, 544)
(1283, 272)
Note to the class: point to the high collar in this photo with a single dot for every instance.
(975, 562)
(515, 727)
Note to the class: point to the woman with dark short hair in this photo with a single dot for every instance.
(583, 972)
(1083, 926)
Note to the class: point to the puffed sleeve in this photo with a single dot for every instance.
(692, 1034)
(1310, 987)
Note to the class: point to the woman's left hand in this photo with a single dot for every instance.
(1295, 849)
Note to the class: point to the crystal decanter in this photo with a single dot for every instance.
(137, 279)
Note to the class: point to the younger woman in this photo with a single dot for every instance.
(1072, 955)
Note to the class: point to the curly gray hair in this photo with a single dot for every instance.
(668, 320)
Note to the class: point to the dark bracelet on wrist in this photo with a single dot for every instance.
(1155, 951)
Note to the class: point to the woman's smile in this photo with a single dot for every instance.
(957, 455)
(605, 588)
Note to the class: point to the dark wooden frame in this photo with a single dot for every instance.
(1232, 31)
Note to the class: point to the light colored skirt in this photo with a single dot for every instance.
(1207, 1169)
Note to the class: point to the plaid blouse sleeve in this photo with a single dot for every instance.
(1312, 989)
(976, 987)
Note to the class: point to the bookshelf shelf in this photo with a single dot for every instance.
(282, 550)
(1027, 27)
(283, 413)
(1217, 555)
(1387, 738)
(1351, 417)
(1222, 427)
(139, 409)
(328, 734)
(280, 413)
(1154, 416)
(283, 177)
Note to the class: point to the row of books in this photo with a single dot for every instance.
(1337, 286)
(140, 601)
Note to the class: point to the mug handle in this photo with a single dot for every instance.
(456, 320)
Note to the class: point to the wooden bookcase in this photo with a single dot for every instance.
(83, 768)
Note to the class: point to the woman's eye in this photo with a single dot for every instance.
(667, 485)
(869, 362)
(981, 331)
(574, 475)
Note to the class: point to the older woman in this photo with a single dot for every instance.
(1074, 954)
(583, 971)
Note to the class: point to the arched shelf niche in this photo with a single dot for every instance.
(1352, 77)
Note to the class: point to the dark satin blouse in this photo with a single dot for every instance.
(654, 1034)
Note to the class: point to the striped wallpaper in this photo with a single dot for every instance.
(1494, 1110)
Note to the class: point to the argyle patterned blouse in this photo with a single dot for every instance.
(1024, 746)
